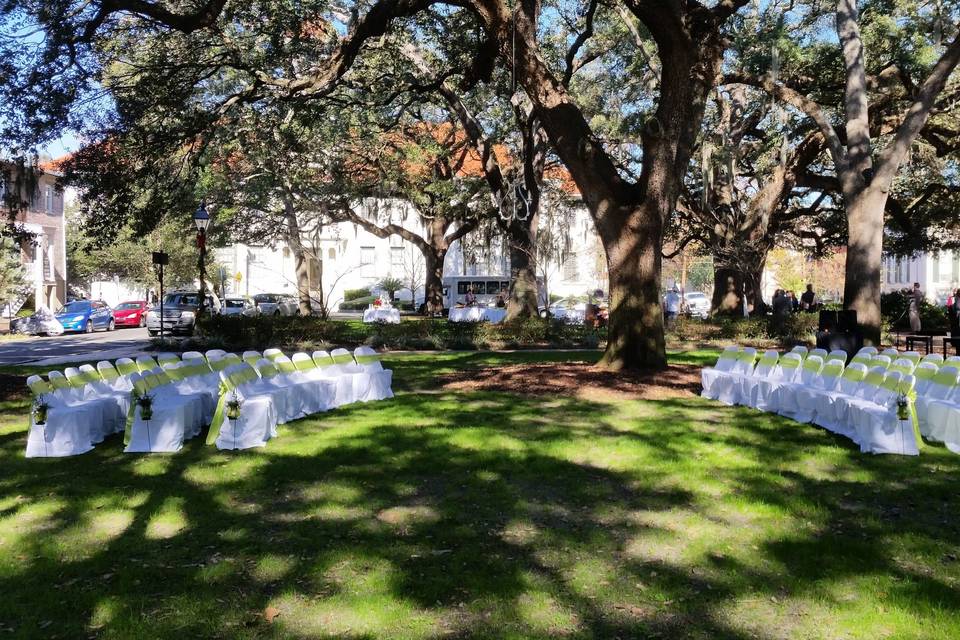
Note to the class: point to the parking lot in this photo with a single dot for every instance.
(75, 346)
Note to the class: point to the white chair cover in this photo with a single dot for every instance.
(808, 398)
(924, 373)
(251, 357)
(146, 363)
(829, 411)
(327, 369)
(837, 354)
(367, 385)
(785, 397)
(382, 379)
(165, 430)
(786, 371)
(94, 388)
(112, 378)
(891, 352)
(879, 430)
(747, 385)
(67, 429)
(715, 380)
(100, 423)
(258, 416)
(820, 353)
(167, 389)
(316, 395)
(845, 407)
(192, 355)
(935, 358)
(937, 408)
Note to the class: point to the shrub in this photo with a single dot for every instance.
(894, 311)
(356, 304)
(236, 333)
(353, 294)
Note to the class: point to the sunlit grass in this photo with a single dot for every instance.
(485, 515)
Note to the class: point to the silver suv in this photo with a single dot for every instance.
(277, 304)
(179, 312)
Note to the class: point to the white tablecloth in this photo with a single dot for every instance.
(493, 315)
(390, 316)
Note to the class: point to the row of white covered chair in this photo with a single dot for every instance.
(858, 400)
(87, 404)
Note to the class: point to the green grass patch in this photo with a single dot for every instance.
(485, 515)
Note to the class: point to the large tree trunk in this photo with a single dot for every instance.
(523, 302)
(635, 338)
(299, 256)
(433, 280)
(727, 291)
(861, 287)
(731, 283)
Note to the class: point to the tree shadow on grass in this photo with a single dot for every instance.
(467, 516)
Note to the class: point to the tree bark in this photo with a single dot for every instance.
(300, 257)
(635, 338)
(861, 288)
(732, 283)
(523, 302)
(727, 291)
(433, 278)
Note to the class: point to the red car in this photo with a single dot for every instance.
(131, 314)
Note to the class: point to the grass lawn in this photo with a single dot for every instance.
(485, 515)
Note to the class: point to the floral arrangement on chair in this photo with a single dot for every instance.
(145, 402)
(903, 407)
(40, 409)
(234, 405)
(377, 302)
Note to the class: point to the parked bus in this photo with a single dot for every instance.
(485, 288)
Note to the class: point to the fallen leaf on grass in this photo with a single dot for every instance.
(270, 613)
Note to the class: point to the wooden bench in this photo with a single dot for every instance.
(925, 340)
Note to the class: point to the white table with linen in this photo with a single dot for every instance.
(388, 316)
(493, 315)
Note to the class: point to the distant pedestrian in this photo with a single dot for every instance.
(916, 297)
(672, 302)
(808, 301)
(953, 310)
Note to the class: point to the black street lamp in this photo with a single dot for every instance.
(202, 219)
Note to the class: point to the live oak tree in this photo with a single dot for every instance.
(259, 40)
(909, 84)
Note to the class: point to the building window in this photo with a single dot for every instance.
(367, 257)
(571, 273)
(331, 253)
(396, 257)
(48, 200)
(315, 273)
(286, 252)
(887, 267)
(945, 271)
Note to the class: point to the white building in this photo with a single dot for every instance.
(937, 273)
(345, 256)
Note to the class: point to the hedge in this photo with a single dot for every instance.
(304, 333)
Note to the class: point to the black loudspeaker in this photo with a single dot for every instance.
(849, 341)
(828, 321)
(847, 320)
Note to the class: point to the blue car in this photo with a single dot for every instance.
(86, 316)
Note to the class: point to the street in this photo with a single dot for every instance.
(100, 345)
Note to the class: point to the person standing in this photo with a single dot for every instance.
(672, 305)
(808, 301)
(954, 312)
(916, 297)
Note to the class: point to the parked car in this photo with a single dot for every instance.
(180, 312)
(569, 309)
(277, 304)
(86, 316)
(131, 314)
(698, 304)
(239, 306)
(41, 323)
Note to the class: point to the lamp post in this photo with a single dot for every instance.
(202, 219)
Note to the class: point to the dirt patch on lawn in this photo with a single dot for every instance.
(578, 379)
